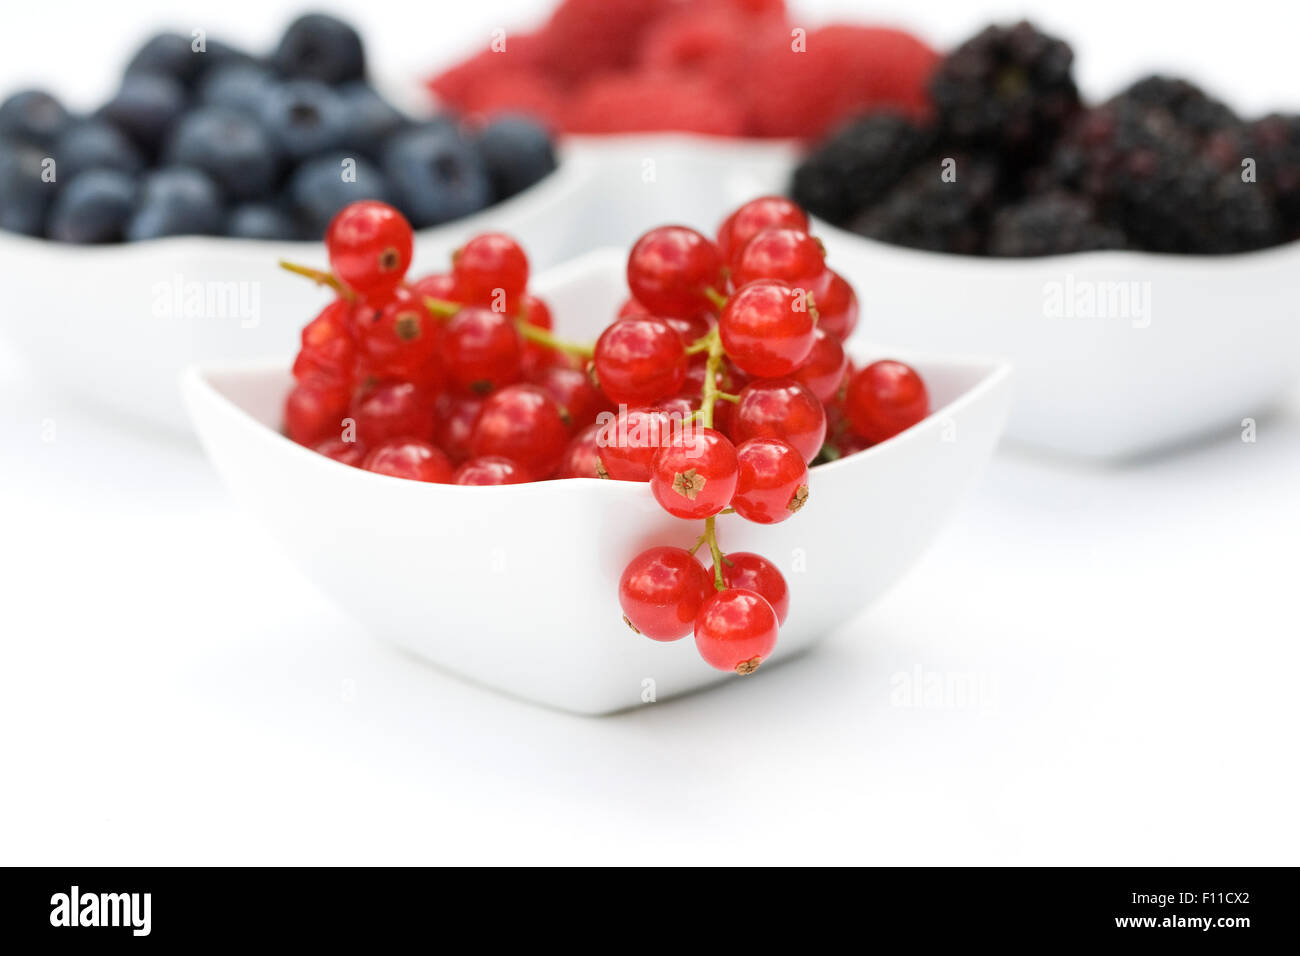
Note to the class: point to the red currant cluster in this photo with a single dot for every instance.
(721, 380)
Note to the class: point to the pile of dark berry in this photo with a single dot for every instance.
(1014, 164)
(204, 139)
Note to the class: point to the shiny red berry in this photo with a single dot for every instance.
(491, 270)
(736, 630)
(780, 408)
(456, 416)
(788, 255)
(661, 592)
(314, 411)
(772, 480)
(522, 423)
(757, 215)
(885, 398)
(767, 328)
(400, 339)
(695, 475)
(369, 245)
(581, 458)
(481, 350)
(579, 400)
(411, 459)
(392, 410)
(670, 270)
(439, 285)
(639, 360)
(753, 572)
(629, 441)
(329, 348)
(822, 372)
(492, 470)
(837, 308)
(348, 452)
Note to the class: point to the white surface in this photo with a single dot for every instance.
(516, 588)
(174, 692)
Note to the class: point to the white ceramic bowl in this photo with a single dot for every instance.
(515, 587)
(1116, 353)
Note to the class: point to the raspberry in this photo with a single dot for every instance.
(585, 37)
(845, 70)
(654, 102)
(515, 91)
(456, 84)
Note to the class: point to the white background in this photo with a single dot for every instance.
(173, 691)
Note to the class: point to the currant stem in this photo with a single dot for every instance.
(441, 308)
(319, 276)
(717, 298)
(711, 535)
(711, 369)
(543, 337)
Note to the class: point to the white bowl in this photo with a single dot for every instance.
(515, 587)
(116, 324)
(1116, 353)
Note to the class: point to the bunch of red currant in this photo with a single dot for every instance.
(720, 381)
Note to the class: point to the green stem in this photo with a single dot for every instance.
(543, 337)
(711, 369)
(711, 536)
(441, 308)
(717, 298)
(319, 276)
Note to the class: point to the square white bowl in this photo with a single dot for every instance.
(515, 587)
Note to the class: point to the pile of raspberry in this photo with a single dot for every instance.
(720, 381)
(721, 67)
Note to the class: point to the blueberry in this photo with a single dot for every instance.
(230, 147)
(371, 118)
(304, 118)
(94, 143)
(218, 55)
(236, 86)
(436, 175)
(261, 221)
(94, 207)
(517, 152)
(176, 201)
(24, 195)
(320, 47)
(168, 54)
(33, 116)
(145, 108)
(318, 189)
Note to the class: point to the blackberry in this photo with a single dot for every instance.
(1150, 176)
(1274, 144)
(1193, 109)
(857, 164)
(1007, 88)
(1051, 224)
(924, 211)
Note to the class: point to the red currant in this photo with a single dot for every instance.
(392, 410)
(628, 442)
(695, 475)
(400, 338)
(772, 483)
(639, 360)
(411, 459)
(369, 245)
(757, 215)
(491, 270)
(780, 408)
(789, 255)
(348, 452)
(885, 398)
(671, 269)
(579, 400)
(522, 423)
(630, 308)
(753, 572)
(582, 458)
(329, 350)
(661, 592)
(481, 350)
(456, 417)
(822, 372)
(492, 470)
(439, 285)
(314, 410)
(837, 308)
(736, 630)
(767, 328)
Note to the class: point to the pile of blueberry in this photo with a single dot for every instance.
(203, 139)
